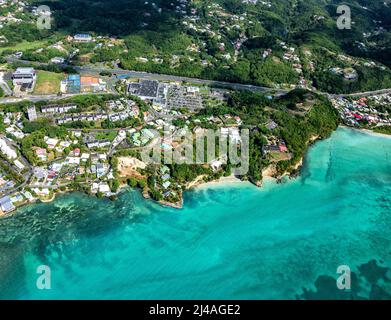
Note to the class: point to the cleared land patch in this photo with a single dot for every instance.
(48, 82)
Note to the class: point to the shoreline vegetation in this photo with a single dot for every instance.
(269, 173)
(281, 129)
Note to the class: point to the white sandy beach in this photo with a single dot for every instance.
(223, 181)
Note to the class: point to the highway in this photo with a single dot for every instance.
(164, 77)
(361, 94)
(156, 76)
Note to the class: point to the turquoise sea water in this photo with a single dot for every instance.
(284, 241)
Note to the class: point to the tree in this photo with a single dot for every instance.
(132, 182)
(115, 186)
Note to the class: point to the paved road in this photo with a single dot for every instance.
(361, 94)
(164, 77)
(156, 76)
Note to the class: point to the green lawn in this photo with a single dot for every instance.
(25, 45)
(48, 82)
(106, 135)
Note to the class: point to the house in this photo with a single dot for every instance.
(42, 192)
(85, 157)
(192, 90)
(166, 184)
(7, 151)
(283, 147)
(94, 187)
(216, 164)
(41, 154)
(6, 205)
(28, 196)
(17, 198)
(57, 60)
(102, 156)
(350, 74)
(100, 170)
(51, 142)
(81, 37)
(270, 148)
(166, 177)
(65, 144)
(15, 132)
(76, 152)
(271, 125)
(63, 86)
(19, 165)
(104, 188)
(98, 144)
(235, 135)
(167, 193)
(73, 160)
(58, 108)
(32, 113)
(57, 166)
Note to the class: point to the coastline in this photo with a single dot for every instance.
(223, 181)
(269, 174)
(373, 133)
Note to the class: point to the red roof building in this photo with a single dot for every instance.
(283, 148)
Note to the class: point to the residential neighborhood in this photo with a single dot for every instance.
(371, 111)
(79, 142)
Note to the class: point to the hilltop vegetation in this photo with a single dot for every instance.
(295, 127)
(229, 40)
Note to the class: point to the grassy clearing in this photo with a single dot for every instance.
(25, 46)
(106, 135)
(48, 82)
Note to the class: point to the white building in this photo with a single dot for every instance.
(32, 113)
(82, 38)
(24, 76)
(57, 60)
(7, 151)
(19, 164)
